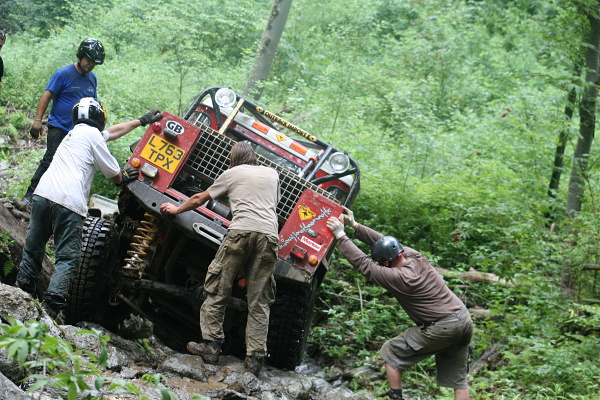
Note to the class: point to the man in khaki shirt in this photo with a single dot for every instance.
(249, 245)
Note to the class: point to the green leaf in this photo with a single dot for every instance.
(166, 395)
(99, 382)
(72, 392)
(38, 384)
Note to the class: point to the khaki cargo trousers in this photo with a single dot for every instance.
(254, 254)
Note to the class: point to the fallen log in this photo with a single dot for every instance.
(472, 276)
(590, 267)
(484, 313)
(489, 359)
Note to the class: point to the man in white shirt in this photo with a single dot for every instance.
(59, 205)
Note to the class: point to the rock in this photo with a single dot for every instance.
(308, 367)
(184, 375)
(321, 386)
(19, 305)
(11, 368)
(334, 374)
(10, 391)
(292, 384)
(136, 327)
(366, 374)
(184, 365)
(229, 394)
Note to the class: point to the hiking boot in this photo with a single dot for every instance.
(254, 364)
(394, 396)
(55, 304)
(26, 285)
(209, 351)
(54, 313)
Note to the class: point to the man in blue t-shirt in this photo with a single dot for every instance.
(66, 87)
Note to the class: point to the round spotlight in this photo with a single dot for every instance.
(225, 97)
(339, 162)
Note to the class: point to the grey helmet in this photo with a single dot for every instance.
(92, 49)
(386, 248)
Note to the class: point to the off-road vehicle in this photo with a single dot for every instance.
(146, 263)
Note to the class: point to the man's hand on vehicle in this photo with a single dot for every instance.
(336, 226)
(128, 174)
(36, 129)
(348, 218)
(150, 117)
(168, 208)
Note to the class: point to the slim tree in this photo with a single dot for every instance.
(587, 112)
(268, 47)
(560, 147)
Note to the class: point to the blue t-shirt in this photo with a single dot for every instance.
(68, 87)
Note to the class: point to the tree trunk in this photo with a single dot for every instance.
(268, 48)
(590, 267)
(587, 113)
(560, 148)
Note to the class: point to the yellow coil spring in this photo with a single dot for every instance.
(135, 264)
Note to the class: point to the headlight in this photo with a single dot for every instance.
(225, 97)
(339, 162)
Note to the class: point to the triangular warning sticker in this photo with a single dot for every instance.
(280, 137)
(305, 213)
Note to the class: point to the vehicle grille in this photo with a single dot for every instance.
(210, 158)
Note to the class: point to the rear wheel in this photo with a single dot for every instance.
(290, 322)
(89, 290)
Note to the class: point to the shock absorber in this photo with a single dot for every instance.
(136, 262)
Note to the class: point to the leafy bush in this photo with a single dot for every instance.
(54, 363)
(451, 109)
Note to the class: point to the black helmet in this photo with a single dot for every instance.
(386, 248)
(89, 111)
(92, 49)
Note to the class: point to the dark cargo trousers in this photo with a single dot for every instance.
(254, 254)
(49, 218)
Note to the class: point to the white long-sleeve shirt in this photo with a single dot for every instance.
(68, 180)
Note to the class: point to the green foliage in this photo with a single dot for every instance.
(5, 244)
(565, 362)
(9, 127)
(584, 319)
(451, 109)
(53, 362)
(41, 17)
(359, 317)
(18, 120)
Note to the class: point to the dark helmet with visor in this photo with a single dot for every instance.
(92, 49)
(387, 248)
(89, 111)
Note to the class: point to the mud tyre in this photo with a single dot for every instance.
(89, 289)
(290, 323)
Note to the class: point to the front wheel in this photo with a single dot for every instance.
(89, 289)
(290, 322)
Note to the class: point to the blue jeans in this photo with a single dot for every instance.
(49, 218)
(54, 139)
